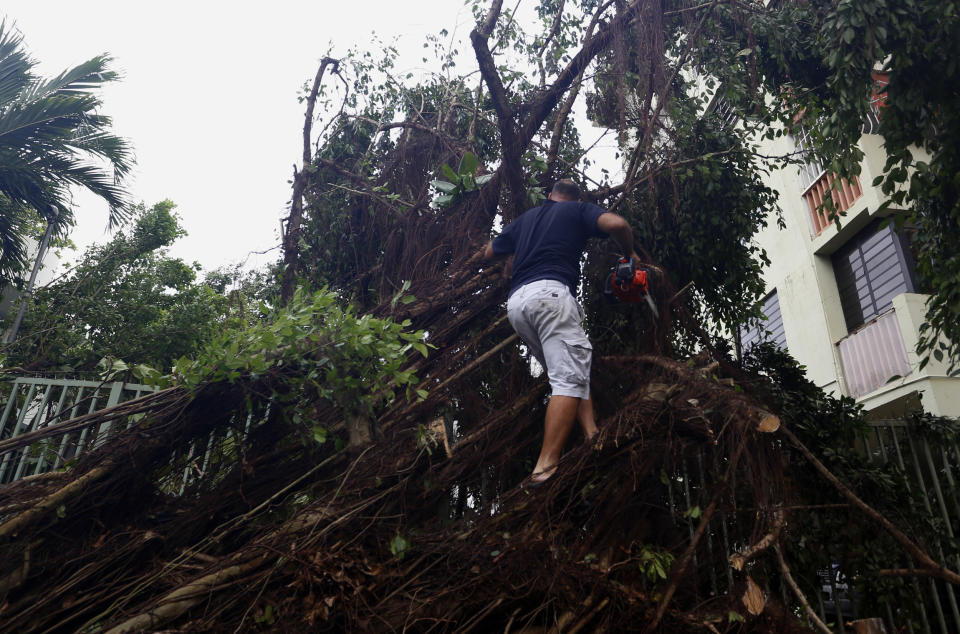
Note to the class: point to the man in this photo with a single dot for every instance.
(547, 243)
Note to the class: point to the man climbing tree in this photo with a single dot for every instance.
(547, 243)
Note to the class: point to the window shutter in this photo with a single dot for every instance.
(770, 329)
(871, 270)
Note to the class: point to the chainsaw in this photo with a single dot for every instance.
(629, 284)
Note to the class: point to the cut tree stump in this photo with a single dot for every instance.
(868, 626)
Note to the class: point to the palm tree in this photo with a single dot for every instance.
(52, 138)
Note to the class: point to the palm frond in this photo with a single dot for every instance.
(13, 257)
(80, 80)
(51, 138)
(15, 66)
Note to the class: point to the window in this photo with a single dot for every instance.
(871, 269)
(818, 185)
(770, 329)
(812, 169)
(721, 108)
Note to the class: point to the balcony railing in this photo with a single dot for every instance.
(843, 198)
(873, 355)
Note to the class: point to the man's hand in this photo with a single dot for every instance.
(488, 253)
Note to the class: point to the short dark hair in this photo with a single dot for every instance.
(567, 189)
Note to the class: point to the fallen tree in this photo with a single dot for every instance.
(327, 493)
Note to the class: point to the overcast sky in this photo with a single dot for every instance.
(209, 97)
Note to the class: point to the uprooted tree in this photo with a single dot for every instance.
(361, 462)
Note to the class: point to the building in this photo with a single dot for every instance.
(844, 300)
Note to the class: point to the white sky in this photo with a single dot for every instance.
(209, 97)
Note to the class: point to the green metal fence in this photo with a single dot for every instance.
(34, 403)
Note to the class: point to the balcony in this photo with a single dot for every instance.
(873, 354)
(843, 198)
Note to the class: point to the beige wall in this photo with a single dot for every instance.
(802, 274)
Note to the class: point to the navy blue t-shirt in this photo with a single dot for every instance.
(547, 242)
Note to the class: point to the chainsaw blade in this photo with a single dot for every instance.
(652, 305)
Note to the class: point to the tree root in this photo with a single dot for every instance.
(52, 501)
(182, 599)
(684, 560)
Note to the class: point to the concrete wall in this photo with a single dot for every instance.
(801, 271)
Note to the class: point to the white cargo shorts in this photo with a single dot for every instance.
(549, 320)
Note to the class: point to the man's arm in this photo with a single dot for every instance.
(619, 229)
(488, 253)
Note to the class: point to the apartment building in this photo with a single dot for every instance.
(844, 300)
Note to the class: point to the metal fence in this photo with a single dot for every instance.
(34, 403)
(30, 404)
(931, 469)
(928, 468)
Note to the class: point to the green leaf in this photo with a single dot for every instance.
(399, 546)
(449, 173)
(468, 165)
(319, 434)
(267, 618)
(444, 186)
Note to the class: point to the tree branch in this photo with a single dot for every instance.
(737, 560)
(291, 238)
(486, 27)
(554, 29)
(645, 144)
(510, 145)
(541, 108)
(820, 625)
(922, 558)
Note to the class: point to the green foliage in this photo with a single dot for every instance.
(697, 221)
(399, 546)
(462, 181)
(52, 138)
(313, 348)
(124, 300)
(654, 562)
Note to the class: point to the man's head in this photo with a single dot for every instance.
(564, 190)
